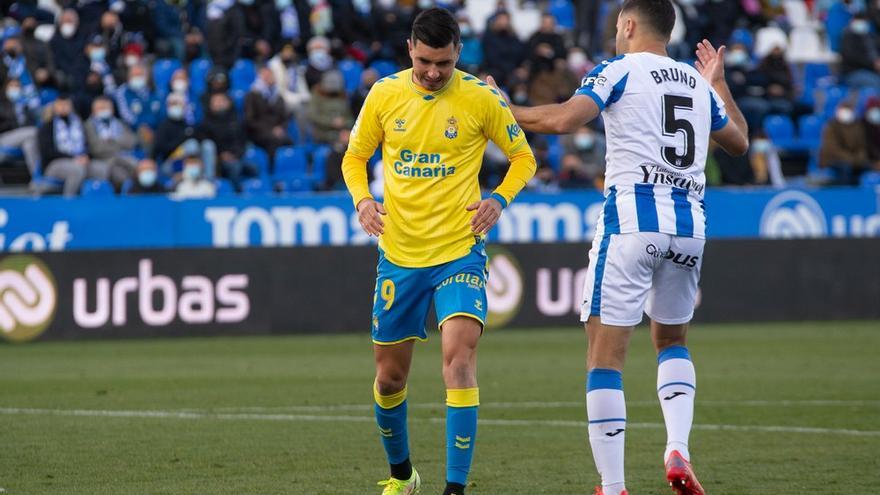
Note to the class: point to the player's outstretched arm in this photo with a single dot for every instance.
(560, 118)
(733, 137)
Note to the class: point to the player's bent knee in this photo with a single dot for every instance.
(390, 384)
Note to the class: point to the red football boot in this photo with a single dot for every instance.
(681, 476)
(600, 492)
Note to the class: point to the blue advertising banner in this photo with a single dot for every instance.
(57, 224)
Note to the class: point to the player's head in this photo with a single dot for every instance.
(434, 48)
(644, 20)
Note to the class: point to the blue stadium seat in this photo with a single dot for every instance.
(319, 163)
(351, 72)
(814, 75)
(384, 67)
(563, 11)
(293, 131)
(836, 21)
(8, 152)
(258, 157)
(126, 187)
(163, 69)
(237, 96)
(870, 179)
(291, 160)
(242, 74)
(198, 76)
(97, 188)
(257, 185)
(833, 96)
(224, 187)
(810, 131)
(780, 130)
(48, 95)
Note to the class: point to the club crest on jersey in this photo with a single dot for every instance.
(399, 125)
(451, 128)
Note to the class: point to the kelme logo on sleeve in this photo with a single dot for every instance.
(28, 298)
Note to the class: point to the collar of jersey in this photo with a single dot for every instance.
(421, 91)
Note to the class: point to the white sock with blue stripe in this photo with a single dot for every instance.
(676, 388)
(606, 412)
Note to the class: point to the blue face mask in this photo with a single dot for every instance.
(175, 112)
(13, 94)
(147, 178)
(97, 55)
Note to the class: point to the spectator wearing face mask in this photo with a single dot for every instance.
(113, 36)
(471, 46)
(860, 60)
(37, 54)
(320, 60)
(146, 179)
(333, 164)
(110, 141)
(224, 29)
(138, 105)
(588, 147)
(548, 35)
(844, 148)
(746, 85)
(291, 24)
(175, 139)
(502, 50)
(265, 115)
(291, 80)
(329, 112)
(18, 120)
(222, 126)
(872, 132)
(96, 53)
(763, 158)
(368, 79)
(68, 49)
(63, 148)
(179, 85)
(193, 184)
(217, 83)
(14, 66)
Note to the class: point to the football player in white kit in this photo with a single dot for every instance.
(646, 256)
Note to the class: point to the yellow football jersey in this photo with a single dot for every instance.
(432, 151)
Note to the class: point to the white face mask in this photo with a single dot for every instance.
(131, 60)
(737, 58)
(175, 112)
(873, 116)
(138, 82)
(68, 29)
(147, 177)
(846, 115)
(103, 114)
(192, 172)
(180, 86)
(761, 145)
(861, 26)
(13, 93)
(584, 141)
(576, 61)
(97, 55)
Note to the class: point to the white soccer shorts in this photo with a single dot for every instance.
(642, 272)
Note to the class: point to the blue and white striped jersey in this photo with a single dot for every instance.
(658, 114)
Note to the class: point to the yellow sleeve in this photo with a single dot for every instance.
(503, 130)
(366, 135)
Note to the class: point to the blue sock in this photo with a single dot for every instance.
(391, 418)
(461, 432)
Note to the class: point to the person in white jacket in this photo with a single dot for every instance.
(291, 80)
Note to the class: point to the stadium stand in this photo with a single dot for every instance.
(791, 66)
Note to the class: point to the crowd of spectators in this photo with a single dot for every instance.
(192, 97)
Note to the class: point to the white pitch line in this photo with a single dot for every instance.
(193, 415)
(562, 405)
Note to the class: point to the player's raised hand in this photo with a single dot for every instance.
(710, 62)
(488, 213)
(370, 214)
(491, 82)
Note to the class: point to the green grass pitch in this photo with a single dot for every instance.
(781, 409)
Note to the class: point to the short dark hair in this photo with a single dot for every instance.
(436, 28)
(658, 14)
